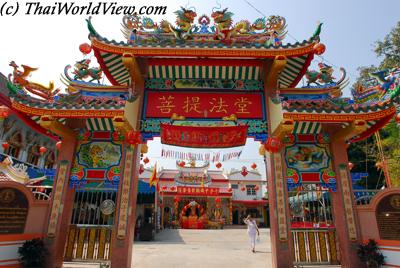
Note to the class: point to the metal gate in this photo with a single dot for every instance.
(312, 225)
(89, 234)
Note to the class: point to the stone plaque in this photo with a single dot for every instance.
(388, 217)
(13, 211)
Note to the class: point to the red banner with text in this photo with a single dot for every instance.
(204, 137)
(204, 105)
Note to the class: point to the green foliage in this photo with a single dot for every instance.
(370, 254)
(389, 49)
(391, 148)
(33, 254)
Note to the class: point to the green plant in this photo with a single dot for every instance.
(370, 254)
(33, 253)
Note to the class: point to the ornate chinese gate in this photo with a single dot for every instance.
(219, 77)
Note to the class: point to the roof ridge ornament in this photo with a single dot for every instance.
(262, 32)
(20, 83)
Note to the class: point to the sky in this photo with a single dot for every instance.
(349, 32)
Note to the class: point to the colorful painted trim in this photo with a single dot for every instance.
(99, 124)
(72, 113)
(307, 128)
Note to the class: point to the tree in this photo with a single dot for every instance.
(389, 49)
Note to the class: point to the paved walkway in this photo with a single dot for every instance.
(202, 249)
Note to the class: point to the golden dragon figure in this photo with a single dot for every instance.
(19, 78)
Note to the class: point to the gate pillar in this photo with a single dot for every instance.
(123, 235)
(282, 249)
(62, 197)
(343, 208)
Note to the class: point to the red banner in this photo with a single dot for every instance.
(198, 191)
(204, 105)
(203, 137)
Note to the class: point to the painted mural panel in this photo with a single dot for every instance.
(308, 160)
(97, 162)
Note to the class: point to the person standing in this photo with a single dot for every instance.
(252, 230)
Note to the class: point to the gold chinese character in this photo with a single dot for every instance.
(192, 104)
(219, 105)
(166, 104)
(242, 104)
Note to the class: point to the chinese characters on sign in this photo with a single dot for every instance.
(125, 191)
(348, 207)
(280, 197)
(203, 137)
(204, 105)
(62, 174)
(198, 191)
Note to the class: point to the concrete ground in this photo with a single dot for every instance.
(202, 249)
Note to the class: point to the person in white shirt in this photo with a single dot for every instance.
(252, 230)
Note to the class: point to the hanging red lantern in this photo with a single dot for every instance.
(164, 188)
(244, 172)
(85, 48)
(218, 200)
(115, 136)
(42, 150)
(146, 160)
(4, 112)
(254, 166)
(177, 199)
(273, 145)
(58, 145)
(397, 117)
(256, 188)
(218, 165)
(141, 169)
(350, 165)
(182, 164)
(5, 145)
(133, 137)
(319, 48)
(243, 189)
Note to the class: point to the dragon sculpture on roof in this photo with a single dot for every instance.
(265, 31)
(383, 86)
(19, 80)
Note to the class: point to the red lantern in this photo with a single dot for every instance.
(244, 172)
(141, 169)
(42, 150)
(133, 137)
(218, 200)
(256, 188)
(218, 165)
(319, 48)
(58, 145)
(182, 163)
(177, 199)
(350, 165)
(146, 160)
(164, 188)
(115, 136)
(397, 117)
(243, 189)
(5, 145)
(230, 190)
(254, 166)
(273, 145)
(85, 48)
